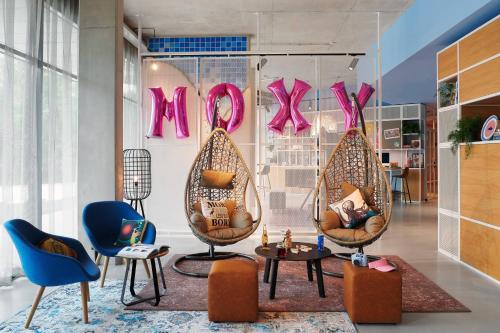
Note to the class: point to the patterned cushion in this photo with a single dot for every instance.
(352, 210)
(131, 232)
(216, 214)
(366, 192)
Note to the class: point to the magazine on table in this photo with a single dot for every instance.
(141, 251)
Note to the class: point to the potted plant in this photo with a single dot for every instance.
(447, 92)
(468, 130)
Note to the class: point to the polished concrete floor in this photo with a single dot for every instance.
(412, 235)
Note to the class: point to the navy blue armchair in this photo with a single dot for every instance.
(102, 222)
(48, 269)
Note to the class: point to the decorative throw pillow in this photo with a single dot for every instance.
(216, 214)
(52, 245)
(366, 192)
(329, 220)
(131, 232)
(352, 209)
(241, 220)
(217, 179)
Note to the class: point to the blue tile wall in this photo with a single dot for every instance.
(198, 44)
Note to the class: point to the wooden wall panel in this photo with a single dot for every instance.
(480, 81)
(480, 45)
(447, 62)
(480, 183)
(480, 247)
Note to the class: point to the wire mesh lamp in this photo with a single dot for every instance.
(136, 176)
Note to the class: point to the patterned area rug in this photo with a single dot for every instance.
(60, 311)
(294, 293)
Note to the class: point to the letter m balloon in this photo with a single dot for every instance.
(161, 107)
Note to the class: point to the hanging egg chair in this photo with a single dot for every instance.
(353, 163)
(218, 158)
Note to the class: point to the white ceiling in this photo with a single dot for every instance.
(285, 25)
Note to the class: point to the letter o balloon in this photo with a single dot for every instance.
(237, 106)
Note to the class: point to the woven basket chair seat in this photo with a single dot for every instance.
(219, 153)
(355, 162)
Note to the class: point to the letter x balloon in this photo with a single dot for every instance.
(289, 106)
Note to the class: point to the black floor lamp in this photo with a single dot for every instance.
(136, 176)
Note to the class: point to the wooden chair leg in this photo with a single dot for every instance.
(98, 259)
(408, 189)
(146, 268)
(38, 297)
(104, 271)
(88, 291)
(85, 309)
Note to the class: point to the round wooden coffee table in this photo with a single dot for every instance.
(313, 257)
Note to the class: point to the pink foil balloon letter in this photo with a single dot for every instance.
(237, 103)
(162, 107)
(351, 113)
(289, 106)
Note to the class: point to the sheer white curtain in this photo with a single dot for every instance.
(60, 117)
(131, 116)
(37, 119)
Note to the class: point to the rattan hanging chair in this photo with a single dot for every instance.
(219, 153)
(355, 162)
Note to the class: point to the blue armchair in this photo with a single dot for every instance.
(48, 269)
(103, 220)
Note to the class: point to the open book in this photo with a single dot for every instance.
(141, 251)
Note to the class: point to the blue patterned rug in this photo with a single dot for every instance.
(60, 311)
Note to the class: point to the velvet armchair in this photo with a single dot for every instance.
(102, 222)
(48, 269)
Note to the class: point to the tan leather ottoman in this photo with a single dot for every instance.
(233, 294)
(371, 296)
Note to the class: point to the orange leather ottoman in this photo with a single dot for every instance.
(371, 296)
(233, 294)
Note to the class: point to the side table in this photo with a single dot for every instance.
(158, 294)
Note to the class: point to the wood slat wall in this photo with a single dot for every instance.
(480, 247)
(482, 44)
(480, 81)
(480, 183)
(447, 62)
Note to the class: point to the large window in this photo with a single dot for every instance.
(38, 118)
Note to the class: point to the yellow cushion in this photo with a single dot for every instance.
(241, 220)
(366, 192)
(217, 179)
(329, 220)
(198, 220)
(348, 235)
(52, 245)
(374, 224)
(229, 233)
(231, 207)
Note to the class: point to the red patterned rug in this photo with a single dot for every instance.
(294, 293)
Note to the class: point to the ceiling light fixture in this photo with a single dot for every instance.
(353, 64)
(154, 66)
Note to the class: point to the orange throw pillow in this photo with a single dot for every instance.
(52, 245)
